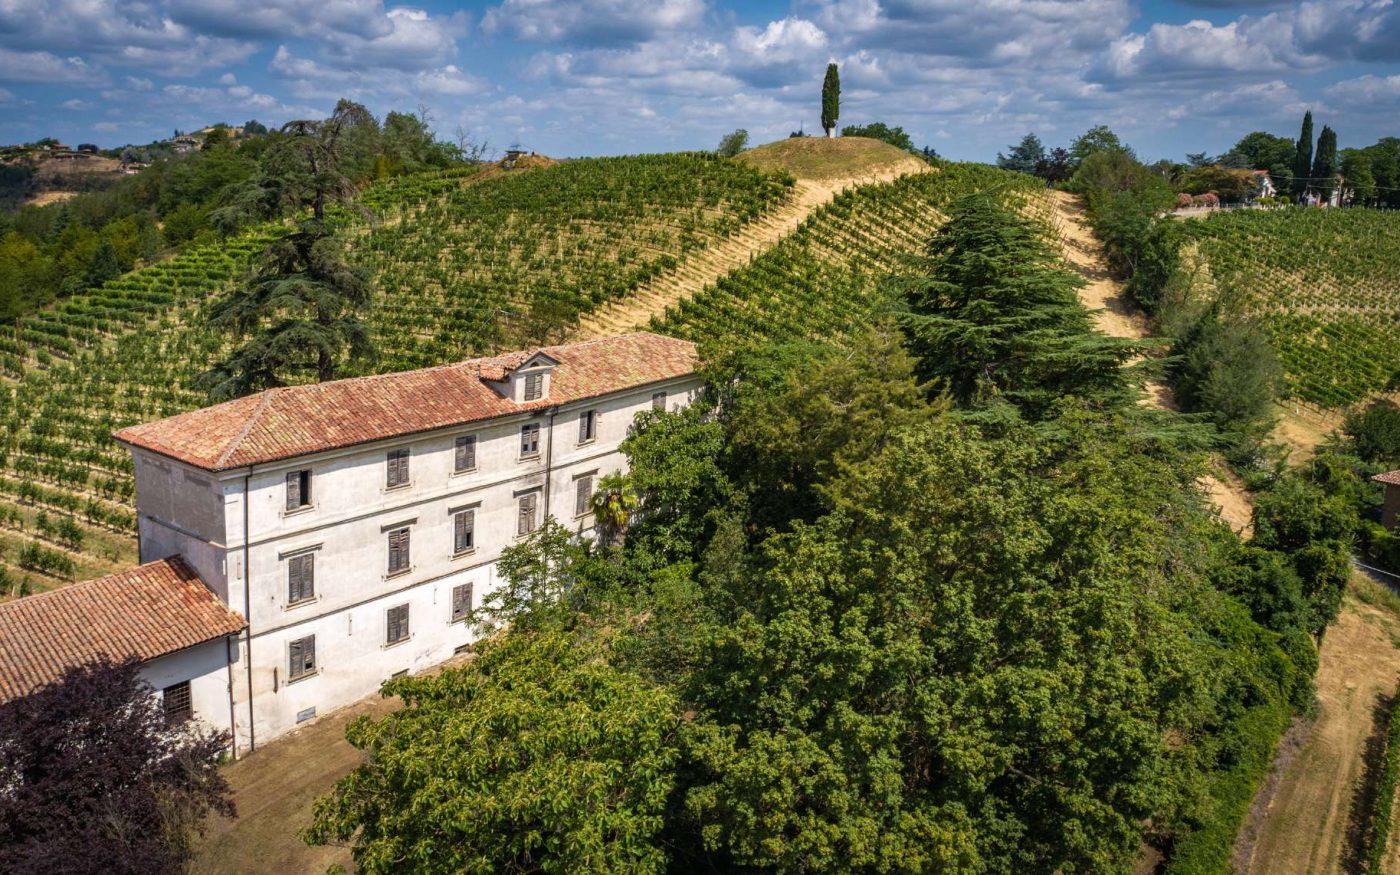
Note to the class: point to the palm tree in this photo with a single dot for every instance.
(613, 504)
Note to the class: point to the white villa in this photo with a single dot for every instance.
(342, 531)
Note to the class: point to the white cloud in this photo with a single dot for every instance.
(44, 67)
(1370, 93)
(106, 127)
(593, 22)
(76, 104)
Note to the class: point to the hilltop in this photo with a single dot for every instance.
(836, 158)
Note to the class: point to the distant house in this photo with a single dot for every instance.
(87, 148)
(184, 143)
(1390, 511)
(512, 156)
(1263, 185)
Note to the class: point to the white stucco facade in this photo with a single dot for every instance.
(237, 531)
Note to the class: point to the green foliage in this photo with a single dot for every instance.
(1303, 156)
(1228, 371)
(1324, 168)
(1375, 431)
(300, 312)
(1380, 819)
(831, 98)
(1095, 140)
(733, 143)
(895, 136)
(539, 756)
(996, 317)
(1264, 151)
(1024, 157)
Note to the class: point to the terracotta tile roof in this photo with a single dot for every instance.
(1391, 477)
(298, 420)
(148, 611)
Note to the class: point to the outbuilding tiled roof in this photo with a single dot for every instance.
(145, 612)
(1391, 477)
(298, 420)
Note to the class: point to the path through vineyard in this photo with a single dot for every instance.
(718, 259)
(1301, 821)
(1118, 317)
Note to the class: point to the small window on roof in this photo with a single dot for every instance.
(534, 387)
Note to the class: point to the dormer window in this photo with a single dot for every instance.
(534, 387)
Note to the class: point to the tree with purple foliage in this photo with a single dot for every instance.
(92, 779)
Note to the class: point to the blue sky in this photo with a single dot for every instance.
(587, 77)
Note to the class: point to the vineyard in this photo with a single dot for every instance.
(511, 262)
(823, 281)
(1328, 285)
(462, 269)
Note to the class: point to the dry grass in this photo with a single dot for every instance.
(845, 158)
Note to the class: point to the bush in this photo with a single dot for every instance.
(1375, 431)
(733, 143)
(1382, 812)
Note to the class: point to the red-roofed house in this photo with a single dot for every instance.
(1390, 511)
(355, 523)
(160, 613)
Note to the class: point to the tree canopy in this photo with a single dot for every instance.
(831, 99)
(95, 780)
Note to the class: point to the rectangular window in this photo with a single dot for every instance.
(301, 657)
(587, 426)
(461, 601)
(398, 550)
(396, 625)
(534, 387)
(583, 497)
(658, 400)
(176, 699)
(463, 531)
(301, 578)
(528, 505)
(298, 489)
(397, 468)
(529, 440)
(464, 458)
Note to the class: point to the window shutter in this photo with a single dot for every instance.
(310, 653)
(585, 492)
(583, 423)
(308, 575)
(463, 523)
(466, 453)
(294, 658)
(294, 490)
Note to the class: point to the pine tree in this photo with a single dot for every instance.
(299, 312)
(1024, 156)
(997, 318)
(1302, 156)
(831, 99)
(1324, 167)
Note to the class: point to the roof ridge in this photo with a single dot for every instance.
(263, 403)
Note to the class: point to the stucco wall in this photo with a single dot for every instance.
(181, 510)
(205, 666)
(345, 528)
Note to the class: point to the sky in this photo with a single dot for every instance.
(597, 77)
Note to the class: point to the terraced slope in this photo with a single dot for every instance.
(1328, 283)
(466, 263)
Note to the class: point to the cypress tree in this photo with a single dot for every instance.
(1302, 156)
(831, 99)
(1324, 167)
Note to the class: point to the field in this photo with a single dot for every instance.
(466, 264)
(823, 281)
(1326, 283)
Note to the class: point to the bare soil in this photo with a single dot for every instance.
(1115, 315)
(1303, 819)
(274, 789)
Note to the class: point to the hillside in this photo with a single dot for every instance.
(1327, 284)
(820, 158)
(463, 266)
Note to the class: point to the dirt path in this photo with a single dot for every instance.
(275, 787)
(714, 262)
(1116, 316)
(1306, 823)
